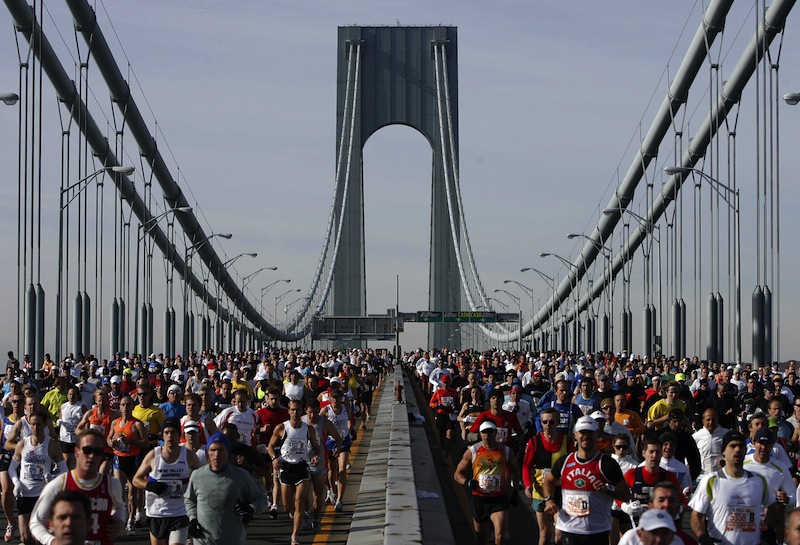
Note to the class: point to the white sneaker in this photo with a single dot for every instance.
(329, 497)
(129, 529)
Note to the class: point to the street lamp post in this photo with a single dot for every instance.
(188, 254)
(529, 292)
(571, 265)
(77, 188)
(717, 185)
(651, 324)
(280, 297)
(290, 305)
(266, 288)
(519, 308)
(144, 230)
(550, 281)
(608, 317)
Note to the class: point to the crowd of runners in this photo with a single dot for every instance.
(615, 448)
(186, 450)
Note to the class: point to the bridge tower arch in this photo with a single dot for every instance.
(394, 75)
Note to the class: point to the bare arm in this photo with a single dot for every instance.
(140, 479)
(698, 524)
(13, 436)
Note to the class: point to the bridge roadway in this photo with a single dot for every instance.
(381, 505)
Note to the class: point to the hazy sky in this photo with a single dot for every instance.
(554, 99)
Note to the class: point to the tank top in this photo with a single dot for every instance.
(489, 469)
(640, 490)
(339, 421)
(176, 477)
(102, 503)
(584, 511)
(71, 414)
(295, 443)
(26, 430)
(34, 466)
(101, 423)
(543, 461)
(319, 429)
(7, 425)
(121, 449)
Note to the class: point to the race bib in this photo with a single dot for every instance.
(296, 446)
(34, 473)
(741, 519)
(502, 435)
(175, 489)
(101, 429)
(545, 472)
(68, 428)
(576, 504)
(489, 484)
(447, 401)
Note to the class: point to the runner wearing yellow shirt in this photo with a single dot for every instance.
(658, 415)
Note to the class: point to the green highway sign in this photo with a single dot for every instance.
(459, 316)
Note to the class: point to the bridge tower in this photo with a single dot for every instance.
(394, 75)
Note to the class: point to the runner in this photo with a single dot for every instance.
(443, 402)
(99, 418)
(105, 492)
(127, 437)
(486, 469)
(341, 418)
(30, 471)
(291, 463)
(71, 413)
(164, 474)
(590, 482)
(542, 451)
(9, 420)
(729, 502)
(324, 428)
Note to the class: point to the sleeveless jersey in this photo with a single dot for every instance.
(203, 435)
(34, 466)
(489, 468)
(7, 425)
(101, 423)
(26, 430)
(246, 423)
(339, 421)
(325, 399)
(71, 414)
(114, 399)
(176, 477)
(121, 449)
(543, 461)
(102, 504)
(640, 490)
(295, 447)
(583, 511)
(319, 428)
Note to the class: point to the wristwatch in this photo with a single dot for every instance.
(548, 498)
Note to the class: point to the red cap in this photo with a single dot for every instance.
(445, 378)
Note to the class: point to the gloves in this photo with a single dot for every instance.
(708, 540)
(17, 488)
(156, 487)
(195, 530)
(471, 484)
(246, 511)
(633, 509)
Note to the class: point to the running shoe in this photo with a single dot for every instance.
(329, 497)
(9, 532)
(137, 520)
(338, 505)
(314, 525)
(129, 529)
(273, 512)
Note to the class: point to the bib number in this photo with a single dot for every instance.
(489, 484)
(502, 435)
(576, 504)
(741, 519)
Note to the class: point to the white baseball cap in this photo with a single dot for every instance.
(653, 519)
(585, 423)
(488, 425)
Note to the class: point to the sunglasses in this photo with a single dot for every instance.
(621, 447)
(488, 431)
(607, 408)
(549, 422)
(97, 451)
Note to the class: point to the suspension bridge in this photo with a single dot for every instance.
(671, 225)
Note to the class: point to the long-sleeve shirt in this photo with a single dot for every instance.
(211, 498)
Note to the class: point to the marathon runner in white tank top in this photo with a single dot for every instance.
(323, 428)
(339, 415)
(164, 474)
(299, 446)
(30, 471)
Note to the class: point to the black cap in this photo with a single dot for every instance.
(732, 436)
(171, 423)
